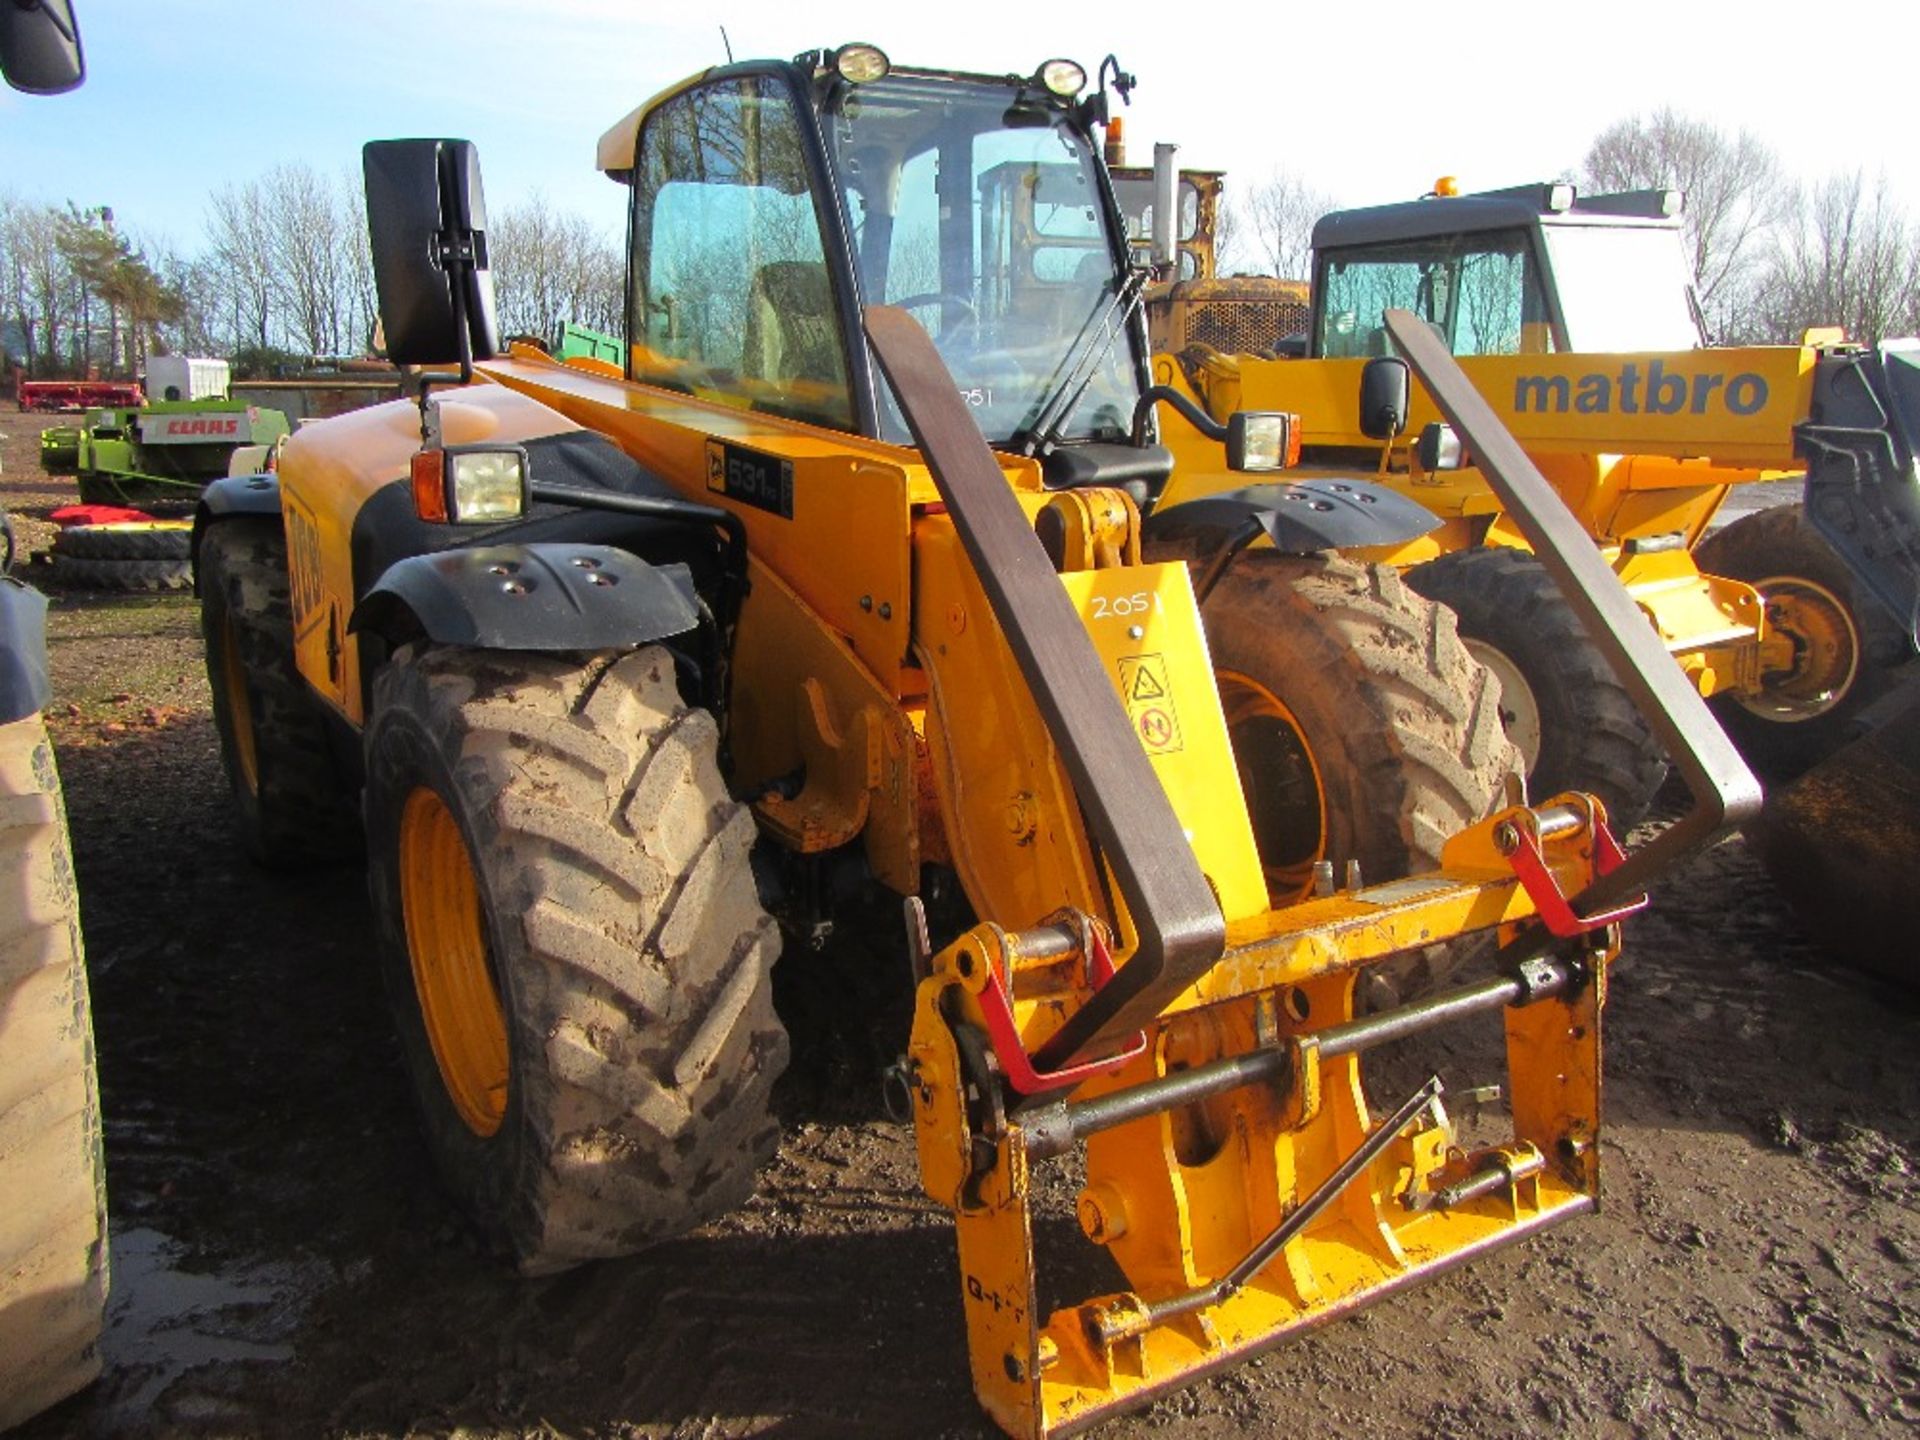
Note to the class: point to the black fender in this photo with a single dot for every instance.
(1862, 447)
(24, 685)
(232, 496)
(1299, 516)
(539, 596)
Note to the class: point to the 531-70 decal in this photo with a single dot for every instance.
(763, 481)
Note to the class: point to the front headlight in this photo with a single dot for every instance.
(1064, 78)
(470, 484)
(486, 485)
(1262, 440)
(861, 64)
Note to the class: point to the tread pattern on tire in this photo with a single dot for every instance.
(1592, 736)
(302, 811)
(53, 1246)
(1405, 723)
(125, 542)
(637, 955)
(121, 576)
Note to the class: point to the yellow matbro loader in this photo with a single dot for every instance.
(1573, 315)
(840, 573)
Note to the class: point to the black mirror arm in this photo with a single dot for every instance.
(1190, 412)
(458, 260)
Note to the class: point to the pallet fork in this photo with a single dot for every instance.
(1234, 1169)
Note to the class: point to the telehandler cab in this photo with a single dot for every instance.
(841, 574)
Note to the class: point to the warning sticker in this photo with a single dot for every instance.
(1149, 700)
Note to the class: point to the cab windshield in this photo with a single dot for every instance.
(977, 207)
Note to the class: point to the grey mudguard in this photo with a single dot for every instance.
(547, 596)
(238, 495)
(24, 686)
(235, 495)
(1299, 516)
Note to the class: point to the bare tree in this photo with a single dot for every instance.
(241, 249)
(14, 317)
(1733, 188)
(200, 328)
(362, 303)
(306, 245)
(1850, 258)
(40, 284)
(550, 266)
(1231, 251)
(1278, 216)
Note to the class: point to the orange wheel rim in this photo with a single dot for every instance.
(1826, 647)
(447, 949)
(1280, 776)
(246, 752)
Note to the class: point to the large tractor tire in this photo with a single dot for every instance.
(1846, 643)
(1362, 728)
(1840, 841)
(53, 1217)
(293, 805)
(132, 540)
(1575, 724)
(121, 577)
(573, 944)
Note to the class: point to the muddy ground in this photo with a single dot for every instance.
(283, 1263)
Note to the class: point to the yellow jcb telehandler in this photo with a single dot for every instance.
(840, 573)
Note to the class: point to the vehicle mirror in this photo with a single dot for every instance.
(40, 46)
(1384, 391)
(427, 221)
(1439, 448)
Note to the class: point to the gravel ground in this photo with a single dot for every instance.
(284, 1264)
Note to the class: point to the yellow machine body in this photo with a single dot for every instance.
(1643, 449)
(869, 653)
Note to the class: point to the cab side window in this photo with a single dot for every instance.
(1480, 293)
(732, 299)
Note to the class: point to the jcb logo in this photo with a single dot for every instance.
(303, 561)
(1632, 391)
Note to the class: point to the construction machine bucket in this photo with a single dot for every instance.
(1840, 841)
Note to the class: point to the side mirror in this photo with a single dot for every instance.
(1384, 391)
(427, 221)
(40, 46)
(1439, 448)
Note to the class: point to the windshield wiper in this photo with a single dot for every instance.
(1106, 324)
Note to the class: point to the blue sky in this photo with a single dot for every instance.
(1367, 102)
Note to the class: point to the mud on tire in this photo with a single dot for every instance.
(626, 957)
(1362, 727)
(1591, 737)
(293, 804)
(53, 1235)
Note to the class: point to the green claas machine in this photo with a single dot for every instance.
(167, 449)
